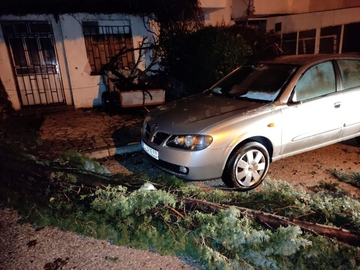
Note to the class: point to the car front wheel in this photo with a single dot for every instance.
(247, 167)
(358, 140)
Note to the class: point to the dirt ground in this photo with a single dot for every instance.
(311, 168)
(24, 247)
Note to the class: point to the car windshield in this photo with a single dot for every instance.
(262, 82)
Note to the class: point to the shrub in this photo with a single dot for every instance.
(201, 58)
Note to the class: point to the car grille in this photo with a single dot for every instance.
(155, 137)
(159, 137)
(166, 166)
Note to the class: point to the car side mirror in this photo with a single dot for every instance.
(291, 102)
(293, 99)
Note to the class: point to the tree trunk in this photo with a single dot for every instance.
(275, 221)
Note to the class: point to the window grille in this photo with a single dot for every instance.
(306, 42)
(330, 39)
(289, 43)
(104, 42)
(32, 47)
(33, 53)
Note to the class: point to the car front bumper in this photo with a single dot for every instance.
(191, 165)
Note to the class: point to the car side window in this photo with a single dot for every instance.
(350, 73)
(317, 81)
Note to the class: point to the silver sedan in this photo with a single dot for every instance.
(257, 114)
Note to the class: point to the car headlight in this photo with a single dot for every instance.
(190, 142)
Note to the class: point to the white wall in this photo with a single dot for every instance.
(259, 8)
(274, 7)
(282, 7)
(87, 89)
(217, 12)
(300, 22)
(6, 74)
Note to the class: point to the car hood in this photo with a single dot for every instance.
(198, 112)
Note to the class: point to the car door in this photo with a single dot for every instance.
(350, 77)
(313, 116)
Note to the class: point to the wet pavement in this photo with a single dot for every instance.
(92, 132)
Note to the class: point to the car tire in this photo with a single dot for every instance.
(247, 167)
(358, 140)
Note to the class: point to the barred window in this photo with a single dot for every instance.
(32, 46)
(330, 39)
(104, 42)
(306, 42)
(289, 43)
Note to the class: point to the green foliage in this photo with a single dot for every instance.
(339, 210)
(329, 186)
(227, 240)
(203, 57)
(116, 203)
(164, 221)
(324, 255)
(169, 181)
(352, 178)
(332, 208)
(195, 60)
(76, 160)
(233, 242)
(215, 195)
(281, 198)
(61, 176)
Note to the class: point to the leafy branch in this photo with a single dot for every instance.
(174, 217)
(128, 76)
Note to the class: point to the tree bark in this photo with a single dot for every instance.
(276, 221)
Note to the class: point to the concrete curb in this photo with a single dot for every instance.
(112, 151)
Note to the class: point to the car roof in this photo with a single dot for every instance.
(304, 59)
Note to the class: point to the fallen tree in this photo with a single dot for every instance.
(22, 174)
(275, 221)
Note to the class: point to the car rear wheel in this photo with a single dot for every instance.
(247, 167)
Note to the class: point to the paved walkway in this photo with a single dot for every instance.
(92, 132)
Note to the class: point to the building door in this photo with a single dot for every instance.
(35, 62)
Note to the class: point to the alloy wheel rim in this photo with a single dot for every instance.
(250, 168)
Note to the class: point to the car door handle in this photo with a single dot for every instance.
(337, 104)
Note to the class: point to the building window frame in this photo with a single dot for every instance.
(104, 40)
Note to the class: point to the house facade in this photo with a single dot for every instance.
(48, 60)
(331, 31)
(57, 59)
(305, 27)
